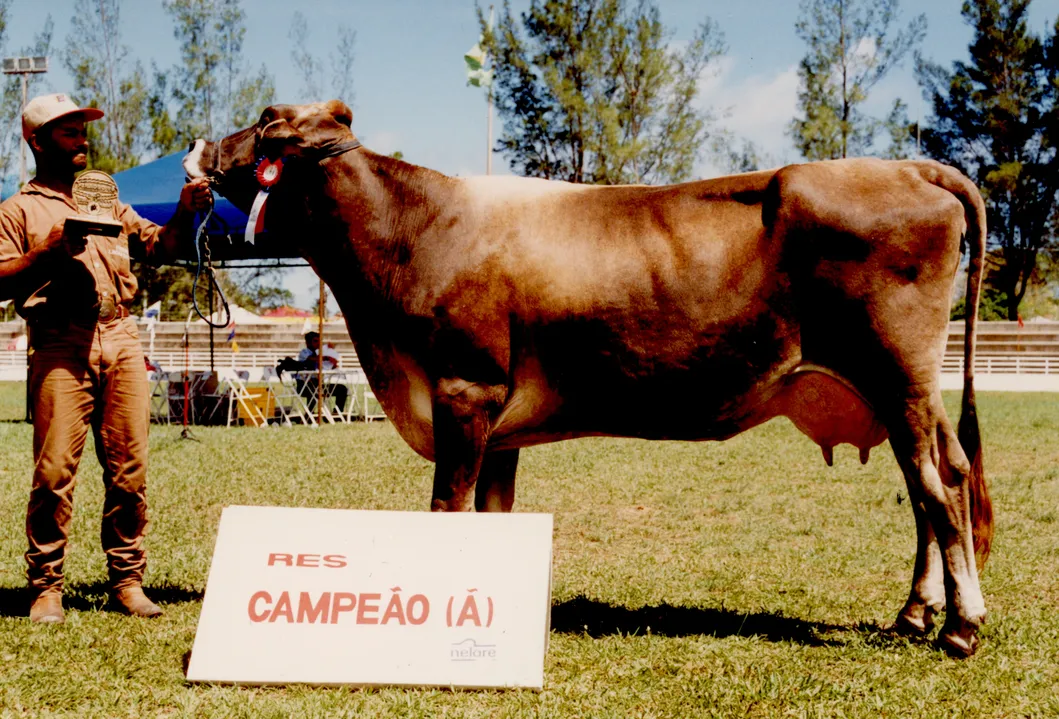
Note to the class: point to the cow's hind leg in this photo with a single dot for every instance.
(463, 412)
(938, 475)
(927, 598)
(495, 491)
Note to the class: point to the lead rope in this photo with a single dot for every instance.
(203, 259)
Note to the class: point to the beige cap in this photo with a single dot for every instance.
(46, 108)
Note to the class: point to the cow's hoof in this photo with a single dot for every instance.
(958, 645)
(959, 637)
(913, 626)
(916, 620)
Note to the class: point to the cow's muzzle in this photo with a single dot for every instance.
(193, 160)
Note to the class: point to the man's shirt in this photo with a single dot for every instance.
(330, 357)
(76, 285)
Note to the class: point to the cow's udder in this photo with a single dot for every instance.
(828, 410)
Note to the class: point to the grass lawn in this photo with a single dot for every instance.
(736, 579)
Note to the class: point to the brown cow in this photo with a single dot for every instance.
(493, 313)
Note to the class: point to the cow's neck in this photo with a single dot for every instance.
(367, 219)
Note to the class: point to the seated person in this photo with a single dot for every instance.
(307, 362)
(308, 355)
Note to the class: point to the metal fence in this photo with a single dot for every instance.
(1004, 364)
(199, 359)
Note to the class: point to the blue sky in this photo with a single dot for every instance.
(411, 92)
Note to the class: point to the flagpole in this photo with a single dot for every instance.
(489, 123)
(477, 75)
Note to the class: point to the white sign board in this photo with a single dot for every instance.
(330, 596)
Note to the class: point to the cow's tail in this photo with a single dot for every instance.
(968, 433)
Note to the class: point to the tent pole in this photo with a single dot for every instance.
(320, 356)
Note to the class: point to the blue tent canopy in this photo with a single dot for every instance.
(153, 190)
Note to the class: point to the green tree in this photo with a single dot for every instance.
(259, 288)
(308, 65)
(311, 68)
(852, 45)
(995, 118)
(733, 154)
(104, 78)
(256, 289)
(213, 90)
(594, 91)
(342, 65)
(164, 136)
(211, 93)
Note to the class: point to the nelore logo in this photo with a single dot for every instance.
(470, 651)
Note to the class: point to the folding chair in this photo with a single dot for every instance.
(370, 412)
(289, 404)
(176, 396)
(349, 379)
(158, 386)
(370, 407)
(242, 404)
(211, 394)
(308, 388)
(337, 384)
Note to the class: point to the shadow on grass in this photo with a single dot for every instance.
(581, 615)
(14, 601)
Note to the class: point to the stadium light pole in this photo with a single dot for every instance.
(24, 66)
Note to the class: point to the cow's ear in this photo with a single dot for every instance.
(341, 112)
(278, 139)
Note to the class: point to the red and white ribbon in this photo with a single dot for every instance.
(256, 221)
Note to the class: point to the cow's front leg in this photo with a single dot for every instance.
(927, 598)
(495, 491)
(463, 412)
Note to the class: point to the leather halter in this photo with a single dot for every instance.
(336, 148)
(322, 153)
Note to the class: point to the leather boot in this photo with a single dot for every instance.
(47, 608)
(132, 601)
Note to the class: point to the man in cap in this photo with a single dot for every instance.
(74, 291)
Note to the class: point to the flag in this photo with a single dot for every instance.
(235, 345)
(151, 314)
(1020, 320)
(231, 331)
(476, 59)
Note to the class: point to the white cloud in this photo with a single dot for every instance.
(713, 76)
(757, 108)
(864, 52)
(383, 142)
